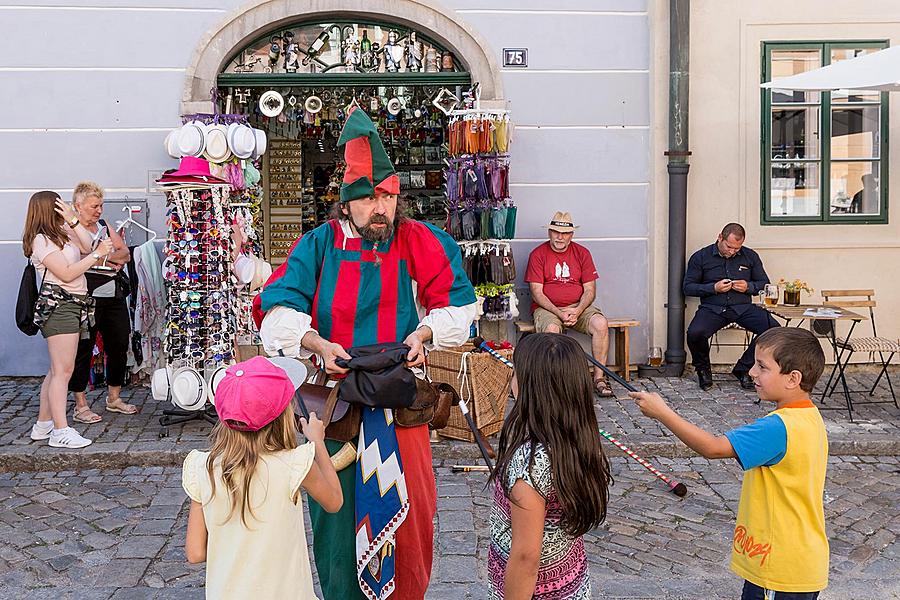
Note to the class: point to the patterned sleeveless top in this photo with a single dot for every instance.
(563, 570)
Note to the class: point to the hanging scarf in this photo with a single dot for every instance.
(381, 502)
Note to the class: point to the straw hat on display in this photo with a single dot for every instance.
(217, 150)
(189, 389)
(192, 138)
(260, 145)
(171, 144)
(241, 140)
(160, 382)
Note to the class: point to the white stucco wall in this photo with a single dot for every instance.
(724, 181)
(91, 88)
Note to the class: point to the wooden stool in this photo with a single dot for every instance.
(620, 330)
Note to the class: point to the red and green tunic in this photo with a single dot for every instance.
(358, 296)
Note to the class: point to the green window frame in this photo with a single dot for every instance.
(815, 112)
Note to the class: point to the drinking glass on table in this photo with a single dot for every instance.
(771, 294)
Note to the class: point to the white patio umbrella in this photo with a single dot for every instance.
(879, 71)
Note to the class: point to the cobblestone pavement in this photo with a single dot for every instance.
(118, 533)
(139, 440)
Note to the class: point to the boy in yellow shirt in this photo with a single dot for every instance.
(779, 547)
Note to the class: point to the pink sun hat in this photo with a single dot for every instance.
(190, 168)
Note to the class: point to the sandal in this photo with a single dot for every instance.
(121, 407)
(86, 415)
(603, 389)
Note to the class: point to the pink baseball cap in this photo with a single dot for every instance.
(253, 393)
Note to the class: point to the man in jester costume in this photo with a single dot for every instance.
(372, 276)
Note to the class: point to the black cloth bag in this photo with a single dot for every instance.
(28, 295)
(378, 377)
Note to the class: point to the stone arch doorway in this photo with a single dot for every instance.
(261, 16)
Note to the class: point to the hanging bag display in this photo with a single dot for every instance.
(28, 295)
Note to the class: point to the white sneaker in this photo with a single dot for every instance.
(41, 430)
(68, 438)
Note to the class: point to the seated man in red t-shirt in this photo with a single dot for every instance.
(562, 278)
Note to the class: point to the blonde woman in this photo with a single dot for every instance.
(111, 317)
(55, 241)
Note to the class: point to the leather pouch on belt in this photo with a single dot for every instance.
(431, 406)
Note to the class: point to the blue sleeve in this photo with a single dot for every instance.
(759, 444)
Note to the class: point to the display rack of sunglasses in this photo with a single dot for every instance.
(200, 286)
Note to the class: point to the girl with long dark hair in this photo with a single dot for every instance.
(551, 479)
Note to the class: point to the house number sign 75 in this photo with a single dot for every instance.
(515, 57)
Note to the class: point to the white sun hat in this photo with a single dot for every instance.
(217, 150)
(171, 144)
(160, 382)
(188, 389)
(215, 378)
(241, 140)
(192, 138)
(260, 145)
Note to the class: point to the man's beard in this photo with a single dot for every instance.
(376, 234)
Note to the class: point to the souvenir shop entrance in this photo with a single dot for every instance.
(298, 83)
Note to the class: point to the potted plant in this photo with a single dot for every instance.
(792, 290)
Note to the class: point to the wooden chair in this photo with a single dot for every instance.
(872, 344)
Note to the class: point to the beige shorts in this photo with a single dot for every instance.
(544, 318)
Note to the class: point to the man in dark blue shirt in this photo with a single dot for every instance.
(725, 276)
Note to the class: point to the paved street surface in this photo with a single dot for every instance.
(108, 521)
(139, 440)
(118, 533)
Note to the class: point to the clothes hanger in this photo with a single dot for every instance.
(130, 221)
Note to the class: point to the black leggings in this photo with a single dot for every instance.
(112, 321)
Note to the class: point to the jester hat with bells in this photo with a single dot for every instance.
(369, 170)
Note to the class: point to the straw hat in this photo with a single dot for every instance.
(171, 144)
(217, 150)
(192, 138)
(260, 147)
(241, 140)
(159, 383)
(188, 389)
(215, 378)
(261, 273)
(562, 222)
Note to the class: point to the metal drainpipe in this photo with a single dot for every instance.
(678, 167)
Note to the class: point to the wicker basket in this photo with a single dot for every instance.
(483, 384)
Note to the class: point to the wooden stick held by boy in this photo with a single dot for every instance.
(779, 542)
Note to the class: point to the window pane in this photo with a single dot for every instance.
(794, 190)
(792, 62)
(843, 96)
(795, 132)
(855, 132)
(855, 188)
